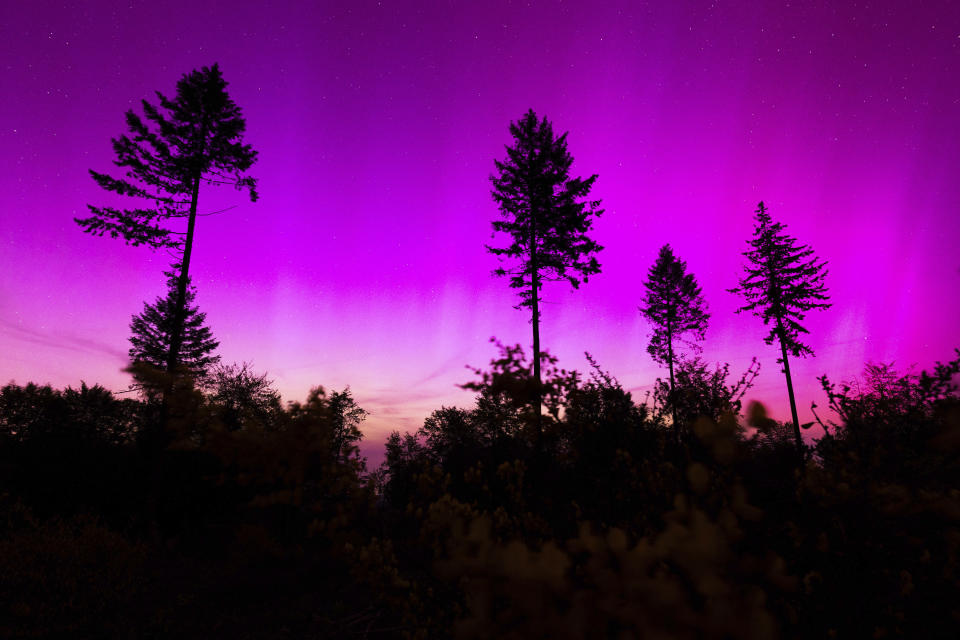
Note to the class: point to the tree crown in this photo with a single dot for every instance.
(673, 304)
(544, 210)
(195, 137)
(782, 281)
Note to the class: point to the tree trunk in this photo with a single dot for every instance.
(793, 402)
(535, 286)
(673, 397)
(176, 339)
(536, 333)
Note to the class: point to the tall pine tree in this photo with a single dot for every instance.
(674, 305)
(195, 138)
(782, 282)
(546, 216)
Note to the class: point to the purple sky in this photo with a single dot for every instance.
(377, 123)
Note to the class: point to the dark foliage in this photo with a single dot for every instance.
(341, 416)
(262, 523)
(88, 414)
(241, 533)
(897, 421)
(702, 391)
(244, 400)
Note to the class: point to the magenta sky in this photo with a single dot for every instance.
(377, 125)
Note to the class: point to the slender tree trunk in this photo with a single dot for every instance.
(535, 289)
(673, 397)
(793, 402)
(176, 339)
(536, 332)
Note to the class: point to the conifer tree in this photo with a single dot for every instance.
(192, 139)
(545, 214)
(674, 305)
(153, 329)
(782, 282)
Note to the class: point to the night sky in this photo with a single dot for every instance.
(377, 124)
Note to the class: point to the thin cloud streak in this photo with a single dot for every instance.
(62, 341)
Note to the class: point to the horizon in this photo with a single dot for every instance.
(363, 262)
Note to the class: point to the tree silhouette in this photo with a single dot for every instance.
(196, 137)
(674, 305)
(546, 216)
(340, 417)
(782, 282)
(345, 418)
(243, 398)
(153, 330)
